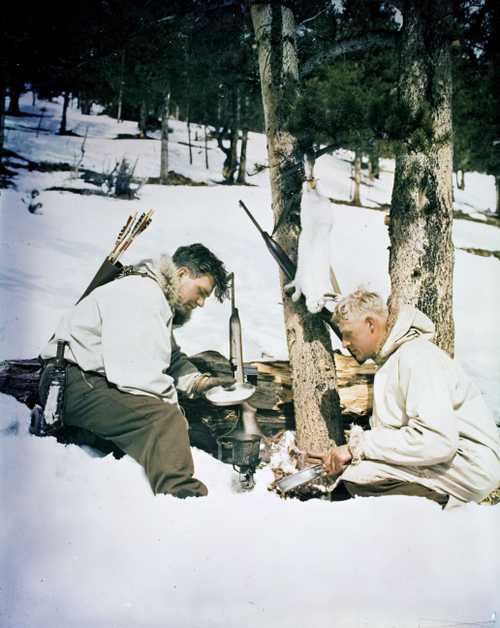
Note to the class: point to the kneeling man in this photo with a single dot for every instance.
(431, 432)
(124, 367)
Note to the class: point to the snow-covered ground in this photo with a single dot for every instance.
(84, 543)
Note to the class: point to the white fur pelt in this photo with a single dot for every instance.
(312, 278)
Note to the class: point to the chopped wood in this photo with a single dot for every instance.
(273, 398)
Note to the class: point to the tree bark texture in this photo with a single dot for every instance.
(421, 255)
(316, 401)
(164, 138)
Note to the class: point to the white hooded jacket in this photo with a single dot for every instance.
(430, 424)
(123, 330)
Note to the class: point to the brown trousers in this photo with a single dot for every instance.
(395, 487)
(149, 430)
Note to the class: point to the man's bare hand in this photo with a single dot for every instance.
(334, 461)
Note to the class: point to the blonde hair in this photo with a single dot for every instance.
(358, 303)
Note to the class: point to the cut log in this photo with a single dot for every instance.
(273, 398)
(355, 385)
(19, 378)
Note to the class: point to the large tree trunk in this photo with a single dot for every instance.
(421, 258)
(64, 118)
(164, 138)
(316, 401)
(356, 197)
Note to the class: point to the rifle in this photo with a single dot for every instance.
(288, 267)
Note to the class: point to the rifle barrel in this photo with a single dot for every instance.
(249, 214)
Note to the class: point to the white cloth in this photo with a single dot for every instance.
(430, 424)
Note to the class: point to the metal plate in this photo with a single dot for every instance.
(231, 396)
(301, 477)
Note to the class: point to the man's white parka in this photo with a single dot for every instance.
(123, 330)
(430, 424)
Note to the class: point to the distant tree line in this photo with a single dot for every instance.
(197, 60)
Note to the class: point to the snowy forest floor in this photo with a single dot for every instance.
(83, 541)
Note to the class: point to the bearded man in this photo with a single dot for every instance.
(431, 432)
(124, 367)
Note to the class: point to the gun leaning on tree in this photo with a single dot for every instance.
(287, 266)
(47, 420)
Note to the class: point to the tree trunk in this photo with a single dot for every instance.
(85, 105)
(119, 104)
(374, 162)
(2, 116)
(64, 119)
(310, 162)
(189, 137)
(316, 401)
(231, 163)
(143, 114)
(356, 197)
(421, 255)
(206, 147)
(243, 159)
(15, 92)
(164, 138)
(497, 185)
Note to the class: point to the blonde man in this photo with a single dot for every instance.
(431, 432)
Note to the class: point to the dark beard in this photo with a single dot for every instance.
(181, 315)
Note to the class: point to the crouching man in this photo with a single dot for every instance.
(124, 366)
(431, 432)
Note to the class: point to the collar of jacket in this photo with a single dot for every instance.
(164, 272)
(409, 324)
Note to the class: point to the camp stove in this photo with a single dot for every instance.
(245, 437)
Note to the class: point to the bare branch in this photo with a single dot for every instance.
(382, 39)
